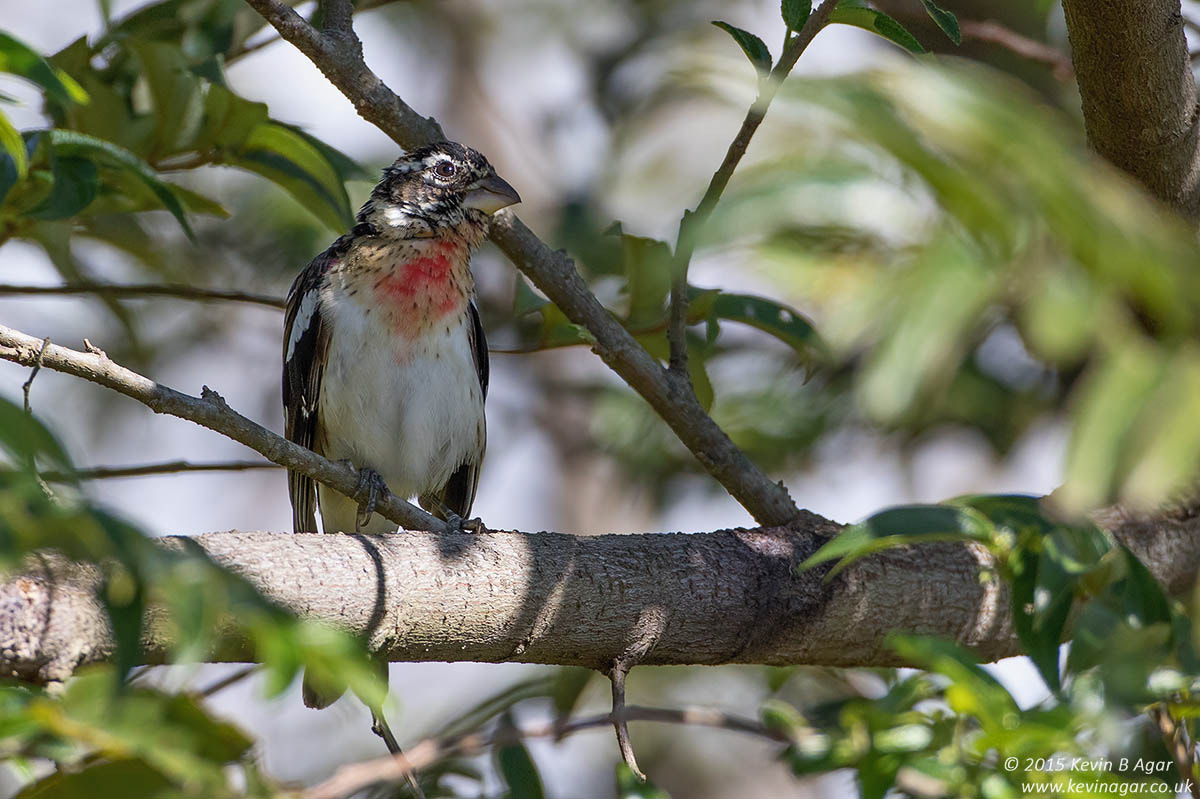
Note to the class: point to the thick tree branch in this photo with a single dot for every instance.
(1139, 96)
(732, 596)
(207, 410)
(554, 273)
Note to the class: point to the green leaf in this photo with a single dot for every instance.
(648, 278)
(876, 22)
(18, 58)
(795, 13)
(973, 691)
(288, 159)
(895, 527)
(1112, 397)
(23, 437)
(630, 787)
(1166, 439)
(346, 167)
(125, 603)
(171, 733)
(944, 19)
(228, 120)
(517, 769)
(784, 323)
(751, 45)
(69, 142)
(525, 299)
(76, 183)
(104, 780)
(569, 686)
(176, 93)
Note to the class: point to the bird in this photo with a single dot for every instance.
(385, 364)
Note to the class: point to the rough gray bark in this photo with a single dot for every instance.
(1138, 93)
(732, 596)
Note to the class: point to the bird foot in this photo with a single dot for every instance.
(370, 488)
(457, 524)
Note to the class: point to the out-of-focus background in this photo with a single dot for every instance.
(597, 112)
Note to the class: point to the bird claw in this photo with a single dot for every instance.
(370, 487)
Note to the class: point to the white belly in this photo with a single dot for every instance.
(412, 410)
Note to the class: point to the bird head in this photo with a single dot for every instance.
(440, 185)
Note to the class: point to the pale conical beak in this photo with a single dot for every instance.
(491, 194)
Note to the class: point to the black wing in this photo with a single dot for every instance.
(458, 494)
(305, 349)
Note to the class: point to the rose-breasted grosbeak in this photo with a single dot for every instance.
(384, 360)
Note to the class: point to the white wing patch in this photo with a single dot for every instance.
(304, 315)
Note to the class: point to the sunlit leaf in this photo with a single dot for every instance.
(18, 58)
(895, 527)
(851, 12)
(14, 147)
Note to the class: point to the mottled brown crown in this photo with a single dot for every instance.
(430, 184)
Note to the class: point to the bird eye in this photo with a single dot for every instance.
(444, 169)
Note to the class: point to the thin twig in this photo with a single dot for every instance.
(694, 221)
(209, 410)
(617, 675)
(554, 274)
(176, 290)
(229, 680)
(37, 367)
(353, 778)
(147, 469)
(995, 33)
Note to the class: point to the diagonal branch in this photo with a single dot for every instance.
(554, 273)
(208, 410)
